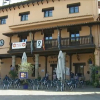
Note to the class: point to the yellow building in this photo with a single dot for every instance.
(37, 24)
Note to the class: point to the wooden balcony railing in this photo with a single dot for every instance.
(82, 40)
(53, 43)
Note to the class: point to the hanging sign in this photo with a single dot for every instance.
(39, 43)
(18, 45)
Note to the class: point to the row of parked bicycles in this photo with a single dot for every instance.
(43, 84)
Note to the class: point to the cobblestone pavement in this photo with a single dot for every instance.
(77, 94)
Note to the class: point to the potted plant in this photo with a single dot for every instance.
(25, 84)
(25, 68)
(89, 61)
(13, 74)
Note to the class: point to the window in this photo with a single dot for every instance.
(24, 16)
(48, 36)
(3, 20)
(75, 38)
(73, 8)
(23, 38)
(48, 12)
(48, 40)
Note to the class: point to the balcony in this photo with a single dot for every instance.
(66, 43)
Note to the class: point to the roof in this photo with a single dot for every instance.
(55, 27)
(19, 3)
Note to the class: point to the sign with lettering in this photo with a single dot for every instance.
(39, 43)
(18, 45)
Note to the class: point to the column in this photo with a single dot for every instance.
(64, 54)
(36, 65)
(70, 61)
(97, 57)
(0, 67)
(46, 57)
(91, 40)
(59, 39)
(13, 61)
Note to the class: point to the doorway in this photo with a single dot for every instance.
(79, 69)
(54, 67)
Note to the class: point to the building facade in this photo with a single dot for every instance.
(43, 27)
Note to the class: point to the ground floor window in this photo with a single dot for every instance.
(79, 69)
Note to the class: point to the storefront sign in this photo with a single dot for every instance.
(18, 45)
(39, 43)
(23, 75)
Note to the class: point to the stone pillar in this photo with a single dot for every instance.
(70, 62)
(46, 58)
(36, 65)
(59, 39)
(91, 37)
(90, 72)
(97, 57)
(64, 54)
(13, 61)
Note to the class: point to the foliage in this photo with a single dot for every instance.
(95, 75)
(88, 82)
(39, 77)
(25, 82)
(25, 67)
(95, 84)
(13, 74)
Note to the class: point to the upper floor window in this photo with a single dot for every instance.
(75, 37)
(73, 8)
(23, 38)
(48, 36)
(48, 12)
(24, 16)
(3, 19)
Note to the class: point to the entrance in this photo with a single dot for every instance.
(54, 67)
(79, 69)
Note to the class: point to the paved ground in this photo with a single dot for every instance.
(77, 94)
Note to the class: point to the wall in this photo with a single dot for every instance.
(83, 59)
(85, 30)
(60, 11)
(5, 68)
(36, 14)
